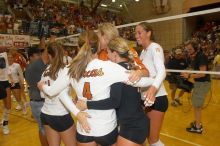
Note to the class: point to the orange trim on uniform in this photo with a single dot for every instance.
(103, 55)
(137, 60)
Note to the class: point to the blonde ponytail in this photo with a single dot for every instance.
(84, 56)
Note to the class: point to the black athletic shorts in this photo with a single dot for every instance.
(3, 86)
(16, 86)
(160, 104)
(106, 140)
(58, 123)
(3, 93)
(136, 131)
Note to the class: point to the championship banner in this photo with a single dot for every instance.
(18, 41)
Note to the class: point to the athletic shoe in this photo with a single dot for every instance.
(194, 129)
(174, 103)
(194, 123)
(5, 128)
(18, 108)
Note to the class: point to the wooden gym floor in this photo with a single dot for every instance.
(24, 132)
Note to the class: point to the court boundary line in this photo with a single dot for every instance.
(180, 139)
(214, 104)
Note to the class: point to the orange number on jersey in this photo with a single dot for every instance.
(86, 91)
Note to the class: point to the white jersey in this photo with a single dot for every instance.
(4, 72)
(153, 58)
(16, 73)
(59, 104)
(95, 85)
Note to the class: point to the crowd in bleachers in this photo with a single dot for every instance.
(6, 23)
(208, 39)
(60, 18)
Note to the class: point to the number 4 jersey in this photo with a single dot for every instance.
(95, 85)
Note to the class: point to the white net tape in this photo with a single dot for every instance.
(193, 71)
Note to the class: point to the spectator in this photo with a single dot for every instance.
(33, 75)
(201, 86)
(176, 62)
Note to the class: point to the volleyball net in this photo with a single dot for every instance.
(172, 31)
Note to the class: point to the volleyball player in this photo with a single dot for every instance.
(155, 96)
(18, 78)
(5, 76)
(106, 32)
(55, 117)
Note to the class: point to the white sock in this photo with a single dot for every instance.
(6, 114)
(158, 143)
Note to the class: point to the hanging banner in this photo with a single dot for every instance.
(18, 41)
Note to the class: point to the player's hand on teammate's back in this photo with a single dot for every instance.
(82, 118)
(40, 85)
(135, 76)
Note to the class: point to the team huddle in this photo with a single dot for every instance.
(120, 97)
